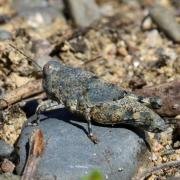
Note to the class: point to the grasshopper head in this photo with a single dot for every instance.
(50, 77)
(51, 67)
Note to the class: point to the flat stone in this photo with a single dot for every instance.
(5, 149)
(83, 12)
(69, 153)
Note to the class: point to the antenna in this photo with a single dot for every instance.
(30, 59)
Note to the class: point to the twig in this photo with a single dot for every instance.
(29, 58)
(36, 148)
(36, 97)
(157, 168)
(91, 60)
(29, 89)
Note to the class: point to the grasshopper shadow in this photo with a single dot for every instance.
(64, 115)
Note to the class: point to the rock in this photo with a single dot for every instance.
(5, 149)
(39, 12)
(7, 166)
(69, 153)
(40, 16)
(5, 35)
(20, 5)
(83, 12)
(165, 20)
(147, 24)
(23, 4)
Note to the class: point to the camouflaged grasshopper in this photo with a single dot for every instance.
(83, 93)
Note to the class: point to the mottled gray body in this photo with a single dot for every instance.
(85, 94)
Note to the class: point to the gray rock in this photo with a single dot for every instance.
(165, 20)
(39, 16)
(5, 149)
(5, 35)
(83, 12)
(69, 154)
(20, 5)
(23, 4)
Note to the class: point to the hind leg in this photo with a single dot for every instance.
(90, 133)
(152, 102)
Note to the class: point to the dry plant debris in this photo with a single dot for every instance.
(36, 148)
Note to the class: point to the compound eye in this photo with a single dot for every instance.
(49, 67)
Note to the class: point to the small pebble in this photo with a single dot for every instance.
(147, 24)
(177, 144)
(7, 166)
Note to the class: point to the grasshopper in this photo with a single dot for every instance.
(85, 94)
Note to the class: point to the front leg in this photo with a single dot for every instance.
(47, 105)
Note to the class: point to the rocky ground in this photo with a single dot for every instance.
(132, 43)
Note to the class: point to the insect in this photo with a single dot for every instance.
(85, 94)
